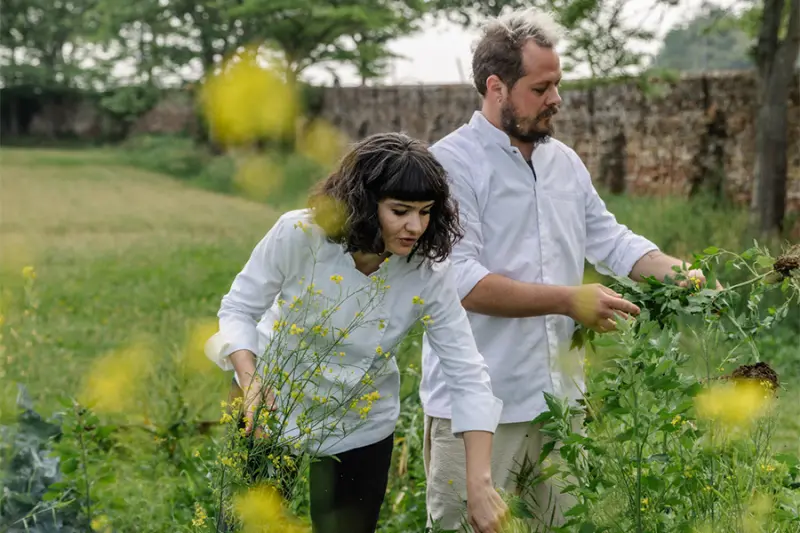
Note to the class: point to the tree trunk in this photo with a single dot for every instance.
(776, 60)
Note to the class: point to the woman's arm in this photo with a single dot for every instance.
(253, 291)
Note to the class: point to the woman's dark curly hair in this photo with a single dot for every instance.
(386, 165)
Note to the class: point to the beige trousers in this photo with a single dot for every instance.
(515, 454)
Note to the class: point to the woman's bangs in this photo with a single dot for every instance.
(414, 183)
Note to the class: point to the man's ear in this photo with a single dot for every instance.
(495, 88)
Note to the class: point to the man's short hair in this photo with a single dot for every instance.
(499, 49)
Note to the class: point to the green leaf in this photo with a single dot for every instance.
(546, 449)
(711, 250)
(519, 508)
(787, 459)
(587, 527)
(625, 435)
(553, 405)
(70, 465)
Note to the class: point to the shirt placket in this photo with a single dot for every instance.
(543, 227)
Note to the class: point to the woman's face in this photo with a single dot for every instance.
(402, 223)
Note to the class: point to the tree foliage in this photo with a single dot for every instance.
(712, 40)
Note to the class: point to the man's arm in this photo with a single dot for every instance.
(497, 295)
(656, 264)
(484, 292)
(659, 265)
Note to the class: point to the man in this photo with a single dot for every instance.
(531, 217)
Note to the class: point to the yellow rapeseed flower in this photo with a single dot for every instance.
(200, 515)
(111, 383)
(28, 272)
(258, 177)
(100, 523)
(733, 405)
(194, 358)
(322, 142)
(245, 101)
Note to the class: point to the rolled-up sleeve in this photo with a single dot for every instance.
(474, 406)
(466, 267)
(610, 246)
(253, 290)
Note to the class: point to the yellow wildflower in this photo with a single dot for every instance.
(28, 272)
(261, 510)
(416, 300)
(336, 278)
(732, 405)
(200, 515)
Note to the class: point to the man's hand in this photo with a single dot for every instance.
(698, 278)
(595, 306)
(486, 510)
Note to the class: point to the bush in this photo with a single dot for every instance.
(271, 175)
(173, 155)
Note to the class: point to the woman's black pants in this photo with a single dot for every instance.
(347, 490)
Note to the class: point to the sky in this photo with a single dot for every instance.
(440, 54)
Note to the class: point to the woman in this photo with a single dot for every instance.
(372, 248)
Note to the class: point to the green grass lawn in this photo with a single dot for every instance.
(126, 259)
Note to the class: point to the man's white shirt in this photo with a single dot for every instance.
(536, 225)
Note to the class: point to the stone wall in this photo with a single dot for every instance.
(664, 139)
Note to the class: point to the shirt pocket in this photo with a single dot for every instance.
(567, 221)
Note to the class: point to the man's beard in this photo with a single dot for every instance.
(512, 125)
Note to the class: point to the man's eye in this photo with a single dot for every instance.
(539, 91)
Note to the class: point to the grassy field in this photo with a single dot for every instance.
(130, 264)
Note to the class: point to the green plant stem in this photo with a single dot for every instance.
(748, 282)
(84, 468)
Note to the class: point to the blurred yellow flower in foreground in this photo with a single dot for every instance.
(734, 404)
(757, 513)
(323, 143)
(261, 511)
(112, 381)
(258, 176)
(28, 272)
(195, 359)
(244, 102)
(330, 214)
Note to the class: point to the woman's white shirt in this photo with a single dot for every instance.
(300, 304)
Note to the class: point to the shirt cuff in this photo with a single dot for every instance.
(636, 251)
(218, 350)
(475, 416)
(469, 274)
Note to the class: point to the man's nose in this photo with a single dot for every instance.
(555, 98)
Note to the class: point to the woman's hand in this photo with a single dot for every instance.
(255, 394)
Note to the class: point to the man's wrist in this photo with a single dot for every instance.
(479, 480)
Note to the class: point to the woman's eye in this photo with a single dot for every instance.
(399, 213)
(425, 213)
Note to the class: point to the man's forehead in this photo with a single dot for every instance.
(540, 63)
